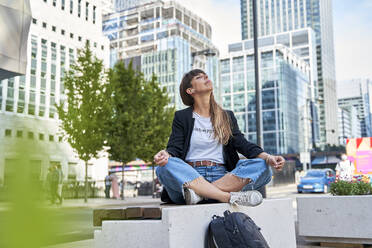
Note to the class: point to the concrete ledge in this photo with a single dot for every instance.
(341, 219)
(186, 226)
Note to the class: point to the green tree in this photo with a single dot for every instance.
(85, 112)
(141, 123)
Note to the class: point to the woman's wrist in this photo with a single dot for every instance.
(265, 156)
(168, 153)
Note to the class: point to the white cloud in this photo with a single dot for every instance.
(222, 15)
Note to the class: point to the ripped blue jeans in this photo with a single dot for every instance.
(176, 173)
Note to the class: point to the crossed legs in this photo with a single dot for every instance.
(219, 189)
(176, 174)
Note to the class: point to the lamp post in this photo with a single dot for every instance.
(257, 86)
(257, 77)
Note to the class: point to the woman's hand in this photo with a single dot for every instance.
(161, 158)
(275, 161)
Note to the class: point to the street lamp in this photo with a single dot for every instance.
(207, 52)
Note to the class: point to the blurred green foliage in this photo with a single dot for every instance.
(26, 219)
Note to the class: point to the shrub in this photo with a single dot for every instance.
(351, 188)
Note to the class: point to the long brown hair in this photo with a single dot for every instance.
(219, 118)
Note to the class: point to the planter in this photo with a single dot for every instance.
(342, 219)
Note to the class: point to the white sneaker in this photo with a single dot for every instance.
(191, 197)
(246, 198)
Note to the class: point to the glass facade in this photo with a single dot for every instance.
(294, 15)
(43, 80)
(163, 36)
(169, 64)
(284, 91)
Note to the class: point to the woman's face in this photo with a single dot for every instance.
(200, 84)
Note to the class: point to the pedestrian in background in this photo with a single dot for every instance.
(345, 169)
(107, 186)
(60, 182)
(53, 181)
(115, 186)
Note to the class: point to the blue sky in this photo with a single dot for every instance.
(352, 22)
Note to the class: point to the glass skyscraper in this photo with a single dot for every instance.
(160, 38)
(285, 85)
(276, 16)
(358, 94)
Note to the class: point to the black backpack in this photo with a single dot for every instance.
(234, 230)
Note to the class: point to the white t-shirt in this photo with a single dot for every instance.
(202, 144)
(346, 170)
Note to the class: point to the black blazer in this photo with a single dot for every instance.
(182, 127)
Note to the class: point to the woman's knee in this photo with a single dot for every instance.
(173, 166)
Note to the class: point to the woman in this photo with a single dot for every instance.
(201, 160)
(344, 169)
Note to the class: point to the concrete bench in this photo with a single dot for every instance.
(186, 226)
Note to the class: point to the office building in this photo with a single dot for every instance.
(285, 80)
(121, 5)
(276, 16)
(27, 103)
(302, 43)
(348, 123)
(162, 38)
(357, 93)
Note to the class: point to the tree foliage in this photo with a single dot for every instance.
(85, 111)
(141, 121)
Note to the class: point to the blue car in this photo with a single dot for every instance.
(318, 180)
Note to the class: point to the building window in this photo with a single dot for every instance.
(71, 35)
(86, 11)
(51, 112)
(54, 3)
(79, 8)
(63, 4)
(71, 6)
(34, 21)
(8, 133)
(30, 135)
(79, 38)
(20, 107)
(62, 32)
(102, 47)
(9, 105)
(19, 134)
(31, 109)
(41, 136)
(44, 25)
(94, 14)
(54, 28)
(51, 138)
(60, 139)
